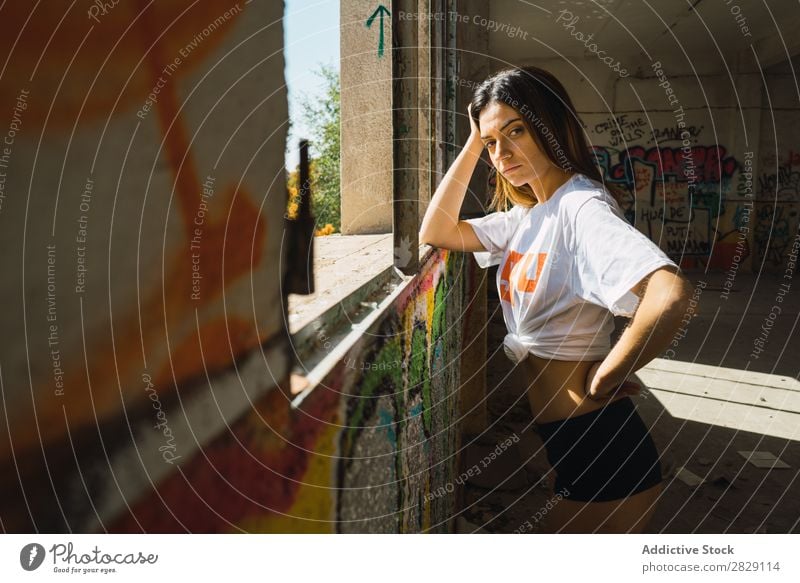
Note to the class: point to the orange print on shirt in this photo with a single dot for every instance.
(515, 271)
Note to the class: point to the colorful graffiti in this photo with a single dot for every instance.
(674, 195)
(701, 203)
(360, 453)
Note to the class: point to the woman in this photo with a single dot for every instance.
(567, 260)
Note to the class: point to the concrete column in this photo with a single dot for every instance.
(366, 98)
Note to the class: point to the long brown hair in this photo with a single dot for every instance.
(548, 113)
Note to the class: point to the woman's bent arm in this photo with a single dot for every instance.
(658, 317)
(440, 225)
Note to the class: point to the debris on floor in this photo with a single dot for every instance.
(689, 478)
(764, 459)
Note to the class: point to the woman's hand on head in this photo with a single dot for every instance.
(475, 132)
(596, 390)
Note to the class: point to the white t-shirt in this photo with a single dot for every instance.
(565, 266)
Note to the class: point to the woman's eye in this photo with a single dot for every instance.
(515, 131)
(490, 144)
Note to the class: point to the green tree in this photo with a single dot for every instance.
(322, 117)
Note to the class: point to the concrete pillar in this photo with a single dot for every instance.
(366, 98)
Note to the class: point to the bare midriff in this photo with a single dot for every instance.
(556, 388)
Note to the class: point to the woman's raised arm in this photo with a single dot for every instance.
(440, 225)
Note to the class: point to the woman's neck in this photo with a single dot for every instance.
(545, 187)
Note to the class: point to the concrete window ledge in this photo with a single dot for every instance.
(342, 263)
(356, 282)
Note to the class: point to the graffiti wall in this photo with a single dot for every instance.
(362, 452)
(699, 198)
(692, 196)
(777, 220)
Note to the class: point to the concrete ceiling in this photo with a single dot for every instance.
(624, 28)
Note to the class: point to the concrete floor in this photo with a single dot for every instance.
(703, 405)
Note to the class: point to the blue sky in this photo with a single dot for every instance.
(311, 37)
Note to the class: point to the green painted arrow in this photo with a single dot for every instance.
(380, 10)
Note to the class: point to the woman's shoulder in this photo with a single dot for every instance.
(582, 190)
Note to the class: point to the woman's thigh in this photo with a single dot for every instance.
(627, 515)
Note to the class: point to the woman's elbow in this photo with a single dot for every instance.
(679, 297)
(425, 239)
(672, 291)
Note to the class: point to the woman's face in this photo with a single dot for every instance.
(511, 147)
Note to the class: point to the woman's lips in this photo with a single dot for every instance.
(512, 168)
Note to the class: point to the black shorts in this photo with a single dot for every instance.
(606, 454)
